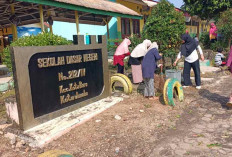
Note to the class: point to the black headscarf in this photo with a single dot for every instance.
(189, 46)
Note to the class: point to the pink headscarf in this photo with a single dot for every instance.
(229, 61)
(123, 47)
(213, 29)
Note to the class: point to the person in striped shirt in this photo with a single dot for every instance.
(218, 58)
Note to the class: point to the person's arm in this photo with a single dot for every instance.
(177, 59)
(127, 54)
(158, 55)
(201, 52)
(222, 55)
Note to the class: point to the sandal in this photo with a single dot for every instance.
(229, 104)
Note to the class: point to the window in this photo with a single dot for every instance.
(136, 28)
(126, 28)
(125, 23)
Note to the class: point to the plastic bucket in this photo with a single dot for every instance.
(172, 73)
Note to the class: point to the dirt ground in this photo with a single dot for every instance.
(146, 127)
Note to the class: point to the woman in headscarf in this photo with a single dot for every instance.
(121, 52)
(229, 61)
(188, 50)
(229, 64)
(149, 66)
(136, 58)
(212, 33)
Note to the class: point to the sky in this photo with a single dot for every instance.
(177, 3)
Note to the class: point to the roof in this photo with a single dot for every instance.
(101, 5)
(90, 11)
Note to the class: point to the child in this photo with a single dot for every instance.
(218, 58)
(121, 52)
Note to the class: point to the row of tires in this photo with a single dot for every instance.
(170, 86)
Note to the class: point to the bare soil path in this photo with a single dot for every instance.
(200, 126)
(204, 128)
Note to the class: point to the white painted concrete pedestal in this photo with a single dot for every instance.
(46, 132)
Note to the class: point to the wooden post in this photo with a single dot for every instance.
(107, 27)
(131, 26)
(50, 26)
(198, 30)
(77, 22)
(41, 17)
(13, 26)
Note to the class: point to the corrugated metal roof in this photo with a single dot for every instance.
(101, 5)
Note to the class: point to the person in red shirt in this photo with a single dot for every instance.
(121, 52)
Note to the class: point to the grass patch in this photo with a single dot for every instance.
(147, 105)
(3, 96)
(7, 94)
(200, 135)
(173, 127)
(199, 143)
(158, 94)
(187, 153)
(214, 145)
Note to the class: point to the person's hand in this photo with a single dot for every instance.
(202, 57)
(160, 65)
(174, 64)
(160, 54)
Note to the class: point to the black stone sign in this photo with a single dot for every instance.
(61, 79)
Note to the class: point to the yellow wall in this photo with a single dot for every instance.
(202, 28)
(136, 7)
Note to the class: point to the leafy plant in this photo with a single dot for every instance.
(206, 10)
(135, 40)
(218, 44)
(225, 25)
(43, 39)
(204, 39)
(165, 25)
(214, 145)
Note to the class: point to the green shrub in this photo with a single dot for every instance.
(165, 26)
(113, 44)
(225, 25)
(135, 40)
(43, 39)
(204, 39)
(218, 44)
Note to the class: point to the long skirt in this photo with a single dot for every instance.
(149, 89)
(137, 73)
